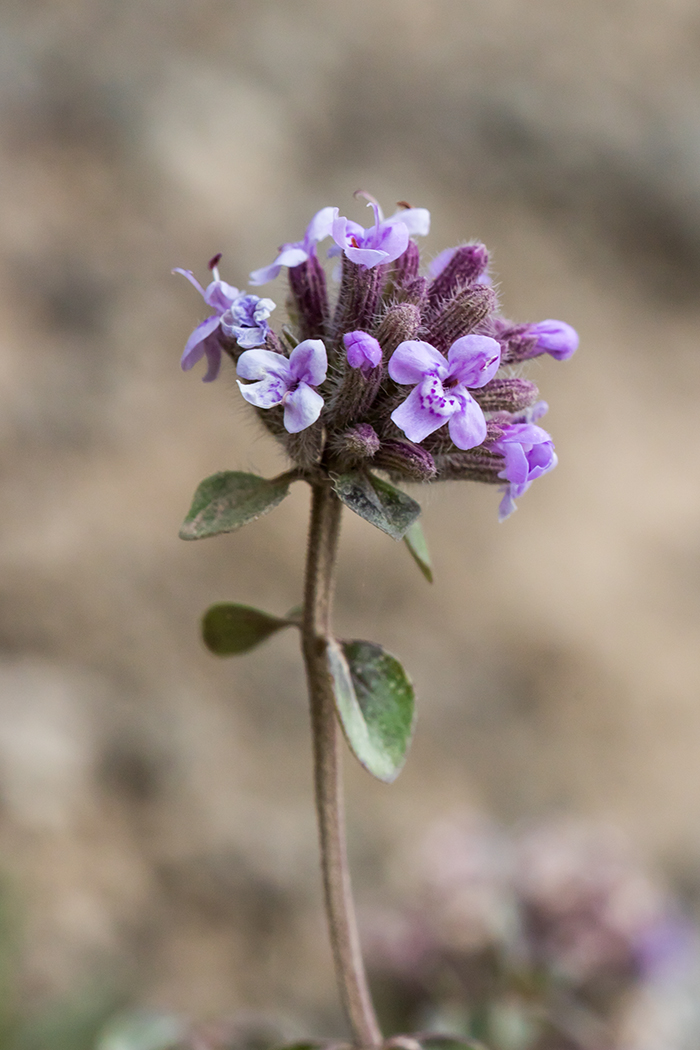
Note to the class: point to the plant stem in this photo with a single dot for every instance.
(324, 530)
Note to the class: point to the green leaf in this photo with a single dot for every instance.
(229, 629)
(227, 500)
(378, 502)
(375, 704)
(143, 1031)
(418, 549)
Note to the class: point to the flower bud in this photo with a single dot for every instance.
(400, 322)
(407, 266)
(310, 299)
(506, 395)
(360, 288)
(460, 315)
(478, 464)
(358, 442)
(405, 460)
(467, 264)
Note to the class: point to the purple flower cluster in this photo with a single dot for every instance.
(411, 374)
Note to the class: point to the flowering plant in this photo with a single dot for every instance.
(413, 375)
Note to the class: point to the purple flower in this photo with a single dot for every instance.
(529, 453)
(441, 392)
(204, 339)
(286, 381)
(556, 338)
(363, 350)
(297, 252)
(383, 242)
(246, 320)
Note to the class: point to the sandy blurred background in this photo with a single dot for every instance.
(157, 839)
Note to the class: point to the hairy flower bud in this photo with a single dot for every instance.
(307, 283)
(477, 464)
(356, 443)
(407, 266)
(405, 460)
(466, 265)
(460, 315)
(360, 288)
(400, 322)
(507, 395)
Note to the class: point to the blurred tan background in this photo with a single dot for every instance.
(156, 825)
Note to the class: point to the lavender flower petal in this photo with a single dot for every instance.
(467, 427)
(194, 349)
(302, 407)
(308, 362)
(474, 359)
(412, 359)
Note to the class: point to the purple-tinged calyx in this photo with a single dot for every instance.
(529, 453)
(363, 350)
(297, 252)
(290, 382)
(441, 393)
(384, 242)
(204, 341)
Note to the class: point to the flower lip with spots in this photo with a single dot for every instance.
(286, 381)
(441, 387)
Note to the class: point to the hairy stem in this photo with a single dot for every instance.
(316, 633)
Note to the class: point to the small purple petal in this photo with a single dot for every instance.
(220, 295)
(363, 350)
(320, 226)
(556, 338)
(468, 426)
(302, 407)
(290, 255)
(474, 360)
(257, 364)
(308, 362)
(416, 220)
(193, 347)
(416, 418)
(412, 359)
(507, 504)
(367, 257)
(246, 337)
(266, 393)
(212, 349)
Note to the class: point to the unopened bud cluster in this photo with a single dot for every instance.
(404, 371)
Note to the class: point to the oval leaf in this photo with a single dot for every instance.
(418, 548)
(231, 629)
(227, 500)
(375, 704)
(378, 502)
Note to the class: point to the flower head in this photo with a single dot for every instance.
(240, 316)
(286, 381)
(296, 252)
(441, 393)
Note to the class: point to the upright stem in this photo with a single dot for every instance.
(316, 633)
